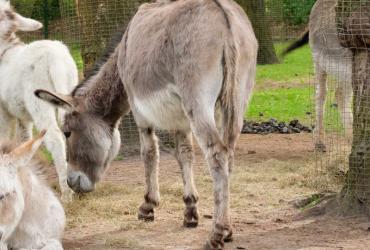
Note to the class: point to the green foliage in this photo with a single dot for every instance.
(297, 12)
(39, 9)
(76, 54)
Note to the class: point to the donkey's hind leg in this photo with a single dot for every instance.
(321, 91)
(184, 155)
(150, 157)
(203, 125)
(344, 96)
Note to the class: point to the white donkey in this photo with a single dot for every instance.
(31, 217)
(331, 59)
(24, 68)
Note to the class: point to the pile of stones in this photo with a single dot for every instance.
(274, 126)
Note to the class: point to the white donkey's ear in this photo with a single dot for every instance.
(27, 24)
(21, 155)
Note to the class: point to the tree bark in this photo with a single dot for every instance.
(257, 14)
(353, 22)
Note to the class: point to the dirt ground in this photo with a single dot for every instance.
(271, 171)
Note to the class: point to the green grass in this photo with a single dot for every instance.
(273, 99)
(296, 66)
(76, 54)
(282, 104)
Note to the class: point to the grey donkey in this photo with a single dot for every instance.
(331, 60)
(177, 64)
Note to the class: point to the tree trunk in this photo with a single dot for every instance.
(353, 22)
(256, 13)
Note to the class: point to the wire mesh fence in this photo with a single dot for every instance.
(343, 35)
(87, 25)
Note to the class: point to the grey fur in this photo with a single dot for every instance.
(176, 63)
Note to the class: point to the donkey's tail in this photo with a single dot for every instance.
(229, 98)
(303, 40)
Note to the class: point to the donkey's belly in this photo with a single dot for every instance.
(162, 109)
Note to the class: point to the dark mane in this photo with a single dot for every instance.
(115, 39)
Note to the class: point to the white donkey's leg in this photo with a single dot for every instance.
(52, 244)
(150, 157)
(6, 126)
(44, 117)
(321, 91)
(24, 130)
(184, 155)
(55, 144)
(3, 246)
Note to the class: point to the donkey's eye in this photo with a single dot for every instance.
(2, 197)
(67, 134)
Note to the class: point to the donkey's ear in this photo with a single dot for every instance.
(58, 100)
(24, 153)
(27, 24)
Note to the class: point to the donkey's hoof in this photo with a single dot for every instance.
(191, 217)
(191, 223)
(320, 147)
(228, 236)
(146, 215)
(213, 246)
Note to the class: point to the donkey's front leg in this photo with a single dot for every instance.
(150, 157)
(184, 156)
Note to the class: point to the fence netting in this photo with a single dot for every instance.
(344, 60)
(87, 25)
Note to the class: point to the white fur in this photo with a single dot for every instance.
(25, 68)
(162, 109)
(31, 217)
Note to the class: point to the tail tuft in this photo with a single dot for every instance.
(303, 40)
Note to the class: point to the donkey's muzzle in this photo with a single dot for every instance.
(79, 182)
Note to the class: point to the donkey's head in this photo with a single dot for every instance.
(12, 160)
(92, 141)
(10, 22)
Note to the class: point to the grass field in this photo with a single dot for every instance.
(282, 90)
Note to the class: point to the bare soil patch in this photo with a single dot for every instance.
(270, 172)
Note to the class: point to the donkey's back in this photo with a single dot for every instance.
(173, 47)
